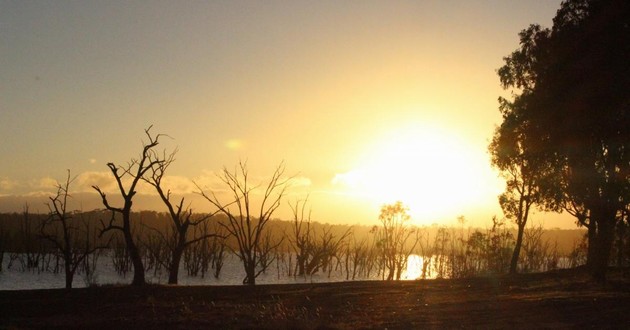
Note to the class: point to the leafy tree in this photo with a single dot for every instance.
(574, 105)
(521, 170)
(393, 238)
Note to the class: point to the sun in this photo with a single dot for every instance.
(435, 172)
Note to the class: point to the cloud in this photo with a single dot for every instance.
(104, 180)
(34, 188)
(300, 182)
(178, 185)
(46, 183)
(209, 181)
(7, 184)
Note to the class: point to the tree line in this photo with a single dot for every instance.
(299, 247)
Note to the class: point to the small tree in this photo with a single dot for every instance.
(66, 242)
(135, 170)
(248, 223)
(393, 238)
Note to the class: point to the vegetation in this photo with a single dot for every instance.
(66, 234)
(182, 219)
(392, 239)
(563, 145)
(339, 251)
(314, 249)
(570, 111)
(136, 169)
(255, 244)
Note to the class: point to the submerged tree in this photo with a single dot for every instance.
(573, 81)
(135, 171)
(182, 218)
(393, 239)
(301, 237)
(246, 222)
(64, 233)
(313, 251)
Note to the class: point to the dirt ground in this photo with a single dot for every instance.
(566, 299)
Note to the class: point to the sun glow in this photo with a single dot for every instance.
(436, 174)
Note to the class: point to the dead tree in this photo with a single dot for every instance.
(313, 252)
(301, 238)
(182, 218)
(135, 170)
(247, 224)
(73, 252)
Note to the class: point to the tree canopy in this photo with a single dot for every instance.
(571, 103)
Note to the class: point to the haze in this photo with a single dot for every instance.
(366, 102)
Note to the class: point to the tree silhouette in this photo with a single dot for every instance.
(182, 218)
(248, 224)
(67, 242)
(393, 238)
(135, 170)
(573, 81)
(521, 170)
(313, 251)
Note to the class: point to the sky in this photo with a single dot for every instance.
(364, 102)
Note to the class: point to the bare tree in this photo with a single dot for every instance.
(247, 225)
(182, 218)
(313, 252)
(135, 170)
(67, 243)
(301, 236)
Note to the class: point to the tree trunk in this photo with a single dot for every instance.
(517, 249)
(69, 278)
(136, 260)
(69, 272)
(301, 260)
(250, 273)
(173, 272)
(605, 220)
(592, 238)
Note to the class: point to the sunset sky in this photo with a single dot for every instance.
(366, 102)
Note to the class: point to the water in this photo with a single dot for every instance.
(232, 273)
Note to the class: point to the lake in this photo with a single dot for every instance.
(232, 273)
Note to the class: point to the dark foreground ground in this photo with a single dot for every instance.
(550, 300)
